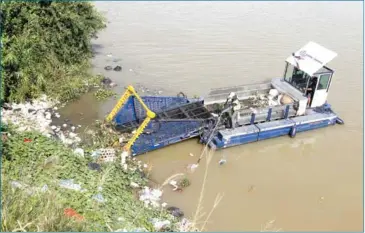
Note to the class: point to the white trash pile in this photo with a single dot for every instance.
(37, 115)
(150, 197)
(273, 98)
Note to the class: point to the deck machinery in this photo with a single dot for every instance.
(236, 115)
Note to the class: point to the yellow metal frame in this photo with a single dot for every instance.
(150, 115)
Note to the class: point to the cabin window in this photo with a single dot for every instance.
(288, 72)
(324, 80)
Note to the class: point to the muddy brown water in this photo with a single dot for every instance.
(310, 183)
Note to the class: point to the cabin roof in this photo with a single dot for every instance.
(311, 58)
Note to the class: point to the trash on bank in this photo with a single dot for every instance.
(69, 184)
(160, 224)
(151, 197)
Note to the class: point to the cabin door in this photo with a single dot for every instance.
(320, 94)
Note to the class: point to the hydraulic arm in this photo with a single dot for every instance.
(150, 115)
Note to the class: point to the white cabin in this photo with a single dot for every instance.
(306, 78)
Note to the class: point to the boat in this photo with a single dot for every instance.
(233, 116)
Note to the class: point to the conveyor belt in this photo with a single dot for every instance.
(190, 111)
(195, 111)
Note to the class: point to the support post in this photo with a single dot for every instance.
(253, 116)
(269, 114)
(286, 113)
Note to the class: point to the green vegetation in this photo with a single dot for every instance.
(41, 161)
(103, 93)
(185, 182)
(46, 48)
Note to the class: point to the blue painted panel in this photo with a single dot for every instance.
(167, 133)
(217, 142)
(234, 141)
(158, 104)
(133, 110)
(274, 133)
(126, 113)
(313, 125)
(271, 125)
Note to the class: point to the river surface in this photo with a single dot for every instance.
(310, 183)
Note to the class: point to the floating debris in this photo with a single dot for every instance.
(193, 167)
(251, 188)
(174, 184)
(222, 161)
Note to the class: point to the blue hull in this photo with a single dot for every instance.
(180, 119)
(262, 131)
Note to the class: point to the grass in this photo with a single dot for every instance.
(44, 161)
(103, 93)
(37, 212)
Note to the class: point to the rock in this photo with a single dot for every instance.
(64, 125)
(94, 166)
(106, 81)
(118, 68)
(108, 68)
(30, 110)
(176, 212)
(53, 127)
(73, 128)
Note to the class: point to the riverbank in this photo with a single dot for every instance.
(69, 181)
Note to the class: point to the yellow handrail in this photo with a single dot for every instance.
(150, 115)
